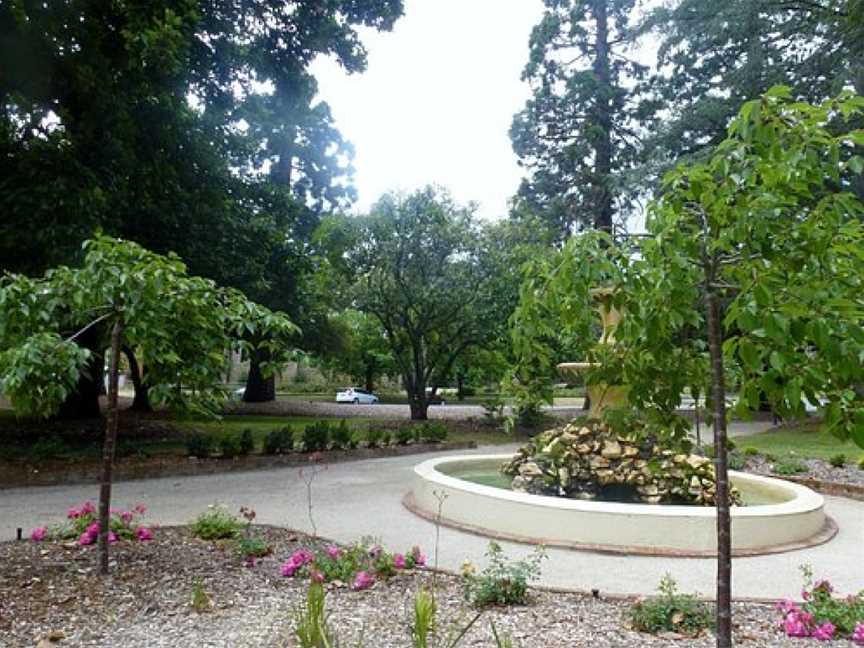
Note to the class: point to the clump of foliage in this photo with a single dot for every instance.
(249, 545)
(386, 438)
(671, 611)
(425, 613)
(82, 525)
(838, 460)
(750, 451)
(404, 436)
(279, 441)
(341, 437)
(51, 447)
(374, 437)
(247, 442)
(861, 463)
(216, 524)
(822, 616)
(316, 436)
(312, 629)
(229, 445)
(503, 582)
(433, 432)
(199, 444)
(358, 565)
(199, 599)
(789, 467)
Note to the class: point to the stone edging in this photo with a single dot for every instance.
(828, 531)
(25, 475)
(837, 489)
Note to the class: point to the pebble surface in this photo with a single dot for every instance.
(50, 589)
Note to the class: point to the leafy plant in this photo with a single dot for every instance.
(216, 524)
(501, 641)
(199, 444)
(386, 439)
(341, 437)
(312, 629)
(229, 445)
(822, 616)
(861, 463)
(493, 408)
(789, 467)
(247, 442)
(51, 447)
(736, 461)
(502, 582)
(199, 599)
(316, 436)
(251, 546)
(279, 441)
(671, 611)
(838, 460)
(433, 431)
(425, 612)
(374, 437)
(404, 436)
(750, 451)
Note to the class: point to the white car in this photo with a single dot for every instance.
(356, 396)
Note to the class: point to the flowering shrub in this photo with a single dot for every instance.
(502, 582)
(671, 611)
(81, 525)
(823, 616)
(358, 565)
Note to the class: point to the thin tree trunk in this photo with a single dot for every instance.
(724, 534)
(369, 382)
(603, 112)
(258, 388)
(141, 402)
(460, 387)
(113, 420)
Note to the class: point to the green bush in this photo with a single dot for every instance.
(341, 437)
(433, 432)
(279, 441)
(316, 436)
(216, 524)
(127, 448)
(502, 582)
(247, 442)
(386, 439)
(671, 611)
(861, 463)
(750, 451)
(404, 436)
(49, 448)
(229, 445)
(838, 460)
(736, 461)
(199, 444)
(251, 546)
(790, 467)
(374, 437)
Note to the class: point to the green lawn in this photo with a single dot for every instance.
(804, 442)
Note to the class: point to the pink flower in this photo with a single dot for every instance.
(88, 508)
(143, 533)
(333, 552)
(126, 516)
(302, 557)
(86, 539)
(824, 632)
(93, 529)
(797, 623)
(787, 606)
(858, 635)
(316, 576)
(289, 569)
(73, 513)
(112, 537)
(39, 534)
(419, 558)
(399, 561)
(363, 580)
(140, 509)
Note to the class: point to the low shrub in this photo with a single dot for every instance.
(252, 546)
(433, 432)
(316, 436)
(501, 582)
(736, 461)
(247, 442)
(386, 439)
(216, 524)
(341, 437)
(374, 437)
(750, 451)
(493, 409)
(279, 441)
(790, 467)
(82, 525)
(52, 447)
(838, 460)
(199, 444)
(229, 445)
(127, 448)
(671, 611)
(404, 436)
(861, 463)
(822, 616)
(199, 599)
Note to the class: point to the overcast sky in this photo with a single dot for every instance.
(436, 102)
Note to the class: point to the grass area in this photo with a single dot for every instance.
(806, 441)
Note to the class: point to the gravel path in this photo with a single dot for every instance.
(48, 588)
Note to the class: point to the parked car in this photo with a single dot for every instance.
(356, 396)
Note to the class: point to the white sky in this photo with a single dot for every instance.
(436, 101)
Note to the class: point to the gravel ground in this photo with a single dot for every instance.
(816, 469)
(51, 588)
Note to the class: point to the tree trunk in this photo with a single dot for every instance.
(602, 139)
(724, 534)
(258, 388)
(83, 402)
(460, 387)
(112, 424)
(141, 403)
(369, 382)
(419, 408)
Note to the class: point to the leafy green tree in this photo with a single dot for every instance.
(364, 354)
(421, 273)
(183, 325)
(577, 134)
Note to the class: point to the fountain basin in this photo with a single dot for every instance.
(782, 517)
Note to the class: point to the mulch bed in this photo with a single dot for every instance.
(51, 588)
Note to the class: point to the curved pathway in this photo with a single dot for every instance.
(364, 498)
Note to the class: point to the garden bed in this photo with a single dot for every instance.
(52, 588)
(87, 470)
(818, 474)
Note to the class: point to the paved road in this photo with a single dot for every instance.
(364, 498)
